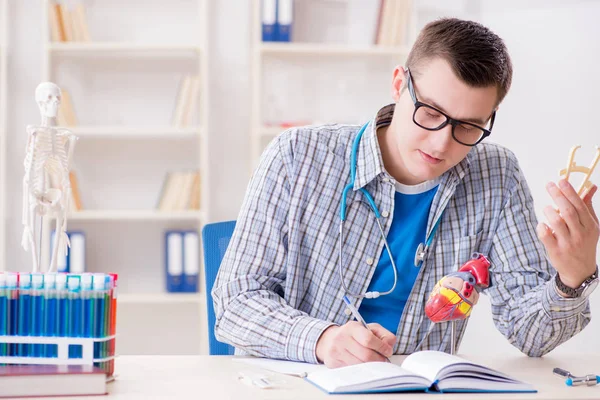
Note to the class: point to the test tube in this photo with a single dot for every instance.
(12, 280)
(62, 309)
(75, 311)
(4, 314)
(36, 311)
(50, 327)
(24, 327)
(88, 311)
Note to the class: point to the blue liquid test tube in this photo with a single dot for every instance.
(36, 312)
(13, 307)
(98, 316)
(4, 314)
(24, 328)
(62, 309)
(88, 304)
(50, 327)
(75, 311)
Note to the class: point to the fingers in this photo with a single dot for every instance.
(569, 204)
(546, 236)
(371, 340)
(587, 200)
(384, 335)
(555, 222)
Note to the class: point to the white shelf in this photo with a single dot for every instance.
(127, 132)
(94, 48)
(324, 49)
(135, 215)
(161, 298)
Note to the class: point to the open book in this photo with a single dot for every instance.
(427, 371)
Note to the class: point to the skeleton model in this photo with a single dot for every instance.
(46, 185)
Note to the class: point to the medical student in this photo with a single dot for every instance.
(418, 179)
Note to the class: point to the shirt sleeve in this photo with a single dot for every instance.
(251, 311)
(526, 306)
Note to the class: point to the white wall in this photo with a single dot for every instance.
(551, 107)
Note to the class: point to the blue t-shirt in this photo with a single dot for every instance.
(408, 230)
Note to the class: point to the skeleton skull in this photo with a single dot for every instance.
(48, 96)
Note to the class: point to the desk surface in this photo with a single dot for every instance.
(215, 377)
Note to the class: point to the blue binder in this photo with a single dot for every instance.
(285, 18)
(191, 261)
(269, 20)
(174, 261)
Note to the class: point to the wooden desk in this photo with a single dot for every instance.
(215, 377)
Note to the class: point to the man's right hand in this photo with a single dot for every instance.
(352, 343)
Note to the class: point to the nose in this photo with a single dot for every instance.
(442, 139)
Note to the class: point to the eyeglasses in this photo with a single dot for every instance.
(432, 119)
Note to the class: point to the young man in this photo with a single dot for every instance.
(280, 287)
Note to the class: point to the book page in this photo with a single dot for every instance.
(365, 377)
(429, 363)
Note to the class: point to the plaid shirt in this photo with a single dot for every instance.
(278, 287)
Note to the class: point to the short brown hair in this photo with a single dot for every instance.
(477, 55)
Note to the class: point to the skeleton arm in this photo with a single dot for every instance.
(26, 219)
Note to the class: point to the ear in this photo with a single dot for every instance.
(398, 82)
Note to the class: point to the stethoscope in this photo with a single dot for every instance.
(421, 249)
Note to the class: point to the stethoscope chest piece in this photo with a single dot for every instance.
(419, 254)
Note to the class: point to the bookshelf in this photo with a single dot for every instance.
(132, 73)
(3, 126)
(308, 49)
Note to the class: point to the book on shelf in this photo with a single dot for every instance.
(392, 22)
(186, 107)
(66, 114)
(68, 22)
(382, 22)
(51, 380)
(180, 191)
(423, 371)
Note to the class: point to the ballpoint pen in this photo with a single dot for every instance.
(358, 317)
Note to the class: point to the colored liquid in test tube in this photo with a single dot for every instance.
(62, 309)
(88, 311)
(36, 312)
(24, 328)
(114, 279)
(12, 280)
(98, 321)
(75, 313)
(50, 327)
(4, 314)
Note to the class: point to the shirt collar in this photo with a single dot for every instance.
(369, 162)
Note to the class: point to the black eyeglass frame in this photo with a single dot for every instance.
(449, 120)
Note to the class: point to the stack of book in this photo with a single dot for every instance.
(68, 24)
(180, 191)
(187, 101)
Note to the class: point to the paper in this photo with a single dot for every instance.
(283, 367)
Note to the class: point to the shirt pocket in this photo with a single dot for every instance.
(453, 253)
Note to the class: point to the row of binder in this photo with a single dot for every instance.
(74, 260)
(182, 261)
(276, 19)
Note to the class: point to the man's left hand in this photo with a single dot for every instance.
(571, 233)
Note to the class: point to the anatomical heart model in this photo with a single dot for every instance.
(454, 296)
